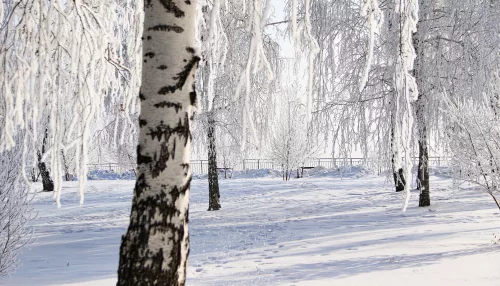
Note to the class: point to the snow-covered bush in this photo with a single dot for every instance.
(474, 141)
(15, 210)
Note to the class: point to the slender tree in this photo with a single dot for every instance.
(48, 184)
(155, 248)
(213, 176)
(420, 106)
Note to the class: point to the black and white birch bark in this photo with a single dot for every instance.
(213, 176)
(421, 116)
(396, 157)
(155, 249)
(47, 182)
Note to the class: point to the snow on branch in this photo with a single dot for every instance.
(256, 59)
(473, 132)
(405, 81)
(406, 85)
(372, 11)
(61, 60)
(297, 28)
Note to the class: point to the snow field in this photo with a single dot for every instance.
(311, 231)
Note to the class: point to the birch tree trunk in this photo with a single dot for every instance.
(395, 133)
(47, 182)
(213, 176)
(155, 249)
(397, 165)
(423, 185)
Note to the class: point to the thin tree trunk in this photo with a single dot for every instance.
(213, 176)
(48, 184)
(495, 199)
(423, 185)
(155, 249)
(66, 168)
(397, 170)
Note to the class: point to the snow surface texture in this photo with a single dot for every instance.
(325, 229)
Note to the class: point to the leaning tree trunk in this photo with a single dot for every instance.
(213, 176)
(420, 113)
(48, 184)
(155, 249)
(495, 199)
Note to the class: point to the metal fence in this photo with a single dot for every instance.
(113, 167)
(201, 166)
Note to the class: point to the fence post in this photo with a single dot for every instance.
(258, 164)
(244, 169)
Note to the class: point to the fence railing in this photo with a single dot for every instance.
(201, 166)
(113, 167)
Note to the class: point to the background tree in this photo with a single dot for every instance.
(289, 146)
(226, 67)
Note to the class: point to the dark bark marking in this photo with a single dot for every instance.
(167, 28)
(169, 104)
(181, 77)
(192, 98)
(142, 122)
(191, 50)
(162, 67)
(162, 130)
(141, 184)
(172, 8)
(142, 159)
(150, 55)
(142, 97)
(163, 158)
(185, 166)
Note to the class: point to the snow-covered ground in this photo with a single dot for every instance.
(320, 230)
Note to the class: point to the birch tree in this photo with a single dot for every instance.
(155, 247)
(231, 71)
(354, 88)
